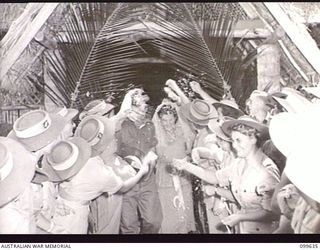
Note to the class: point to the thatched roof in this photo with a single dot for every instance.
(24, 69)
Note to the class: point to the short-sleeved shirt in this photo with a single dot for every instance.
(16, 217)
(91, 181)
(133, 140)
(247, 183)
(305, 219)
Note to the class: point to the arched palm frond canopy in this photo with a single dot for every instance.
(75, 38)
(135, 33)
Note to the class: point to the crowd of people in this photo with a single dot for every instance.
(192, 166)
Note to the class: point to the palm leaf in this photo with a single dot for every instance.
(168, 28)
(75, 38)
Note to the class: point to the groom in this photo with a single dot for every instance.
(137, 137)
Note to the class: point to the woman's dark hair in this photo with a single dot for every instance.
(168, 109)
(249, 131)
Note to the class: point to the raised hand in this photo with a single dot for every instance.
(231, 220)
(195, 156)
(195, 86)
(179, 164)
(172, 95)
(173, 85)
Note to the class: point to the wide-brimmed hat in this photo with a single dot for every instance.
(36, 129)
(96, 107)
(248, 121)
(17, 168)
(258, 93)
(229, 108)
(313, 90)
(291, 130)
(293, 102)
(66, 159)
(199, 112)
(98, 131)
(134, 161)
(67, 113)
(40, 176)
(297, 136)
(215, 127)
(302, 169)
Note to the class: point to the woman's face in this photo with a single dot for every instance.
(243, 144)
(168, 122)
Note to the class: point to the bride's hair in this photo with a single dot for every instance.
(167, 109)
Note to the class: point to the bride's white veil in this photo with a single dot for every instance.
(182, 129)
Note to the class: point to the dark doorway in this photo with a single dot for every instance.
(152, 77)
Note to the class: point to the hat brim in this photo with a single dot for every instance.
(313, 90)
(283, 132)
(228, 110)
(108, 134)
(285, 104)
(72, 113)
(292, 130)
(20, 176)
(262, 129)
(216, 129)
(40, 176)
(185, 110)
(302, 169)
(37, 142)
(62, 175)
(103, 112)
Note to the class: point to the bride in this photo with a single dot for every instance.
(174, 141)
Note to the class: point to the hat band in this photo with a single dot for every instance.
(194, 118)
(99, 135)
(36, 129)
(70, 161)
(63, 112)
(200, 112)
(98, 108)
(134, 158)
(7, 167)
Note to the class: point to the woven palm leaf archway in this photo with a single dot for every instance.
(143, 45)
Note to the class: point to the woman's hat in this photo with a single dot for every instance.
(66, 159)
(96, 107)
(40, 176)
(302, 169)
(199, 112)
(248, 121)
(36, 129)
(216, 129)
(258, 93)
(297, 136)
(313, 90)
(17, 168)
(68, 113)
(98, 131)
(229, 108)
(293, 102)
(290, 130)
(134, 161)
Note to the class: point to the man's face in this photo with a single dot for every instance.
(139, 97)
